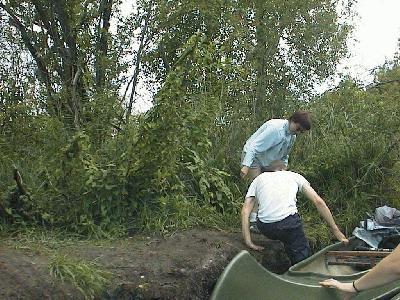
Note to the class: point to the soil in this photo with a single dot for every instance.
(183, 265)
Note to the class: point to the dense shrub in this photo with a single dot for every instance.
(351, 156)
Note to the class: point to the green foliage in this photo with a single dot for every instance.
(208, 182)
(86, 276)
(275, 49)
(67, 52)
(171, 162)
(88, 189)
(27, 145)
(18, 208)
(223, 68)
(351, 154)
(175, 214)
(68, 183)
(102, 115)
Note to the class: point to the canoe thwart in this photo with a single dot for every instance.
(358, 253)
(357, 259)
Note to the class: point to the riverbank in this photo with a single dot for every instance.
(181, 265)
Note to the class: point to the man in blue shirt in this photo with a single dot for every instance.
(272, 141)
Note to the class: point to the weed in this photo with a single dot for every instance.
(86, 276)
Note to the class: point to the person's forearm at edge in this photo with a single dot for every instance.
(385, 272)
(246, 210)
(324, 212)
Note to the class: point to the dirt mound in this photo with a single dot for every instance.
(25, 275)
(184, 265)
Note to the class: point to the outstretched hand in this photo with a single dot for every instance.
(341, 237)
(342, 286)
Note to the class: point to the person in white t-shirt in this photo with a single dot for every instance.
(278, 218)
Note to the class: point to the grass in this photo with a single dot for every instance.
(87, 277)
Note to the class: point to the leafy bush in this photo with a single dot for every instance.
(171, 162)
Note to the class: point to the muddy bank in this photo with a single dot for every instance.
(184, 265)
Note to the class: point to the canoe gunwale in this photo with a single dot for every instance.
(295, 270)
(245, 278)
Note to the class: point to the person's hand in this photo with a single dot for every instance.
(254, 247)
(342, 286)
(243, 171)
(340, 236)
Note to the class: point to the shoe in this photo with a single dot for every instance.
(254, 228)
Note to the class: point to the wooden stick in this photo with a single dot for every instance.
(352, 264)
(358, 253)
(357, 260)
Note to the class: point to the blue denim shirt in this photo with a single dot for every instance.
(271, 141)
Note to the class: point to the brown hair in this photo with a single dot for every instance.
(303, 118)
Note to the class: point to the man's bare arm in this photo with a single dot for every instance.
(246, 210)
(324, 212)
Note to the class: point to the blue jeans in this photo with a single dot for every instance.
(290, 232)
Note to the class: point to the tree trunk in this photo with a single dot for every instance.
(58, 25)
(102, 43)
(260, 56)
(265, 51)
(135, 78)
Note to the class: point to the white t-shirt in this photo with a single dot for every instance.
(276, 194)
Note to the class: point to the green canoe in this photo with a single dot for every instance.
(245, 279)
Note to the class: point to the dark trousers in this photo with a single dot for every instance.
(290, 232)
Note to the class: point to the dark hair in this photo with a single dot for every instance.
(303, 118)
